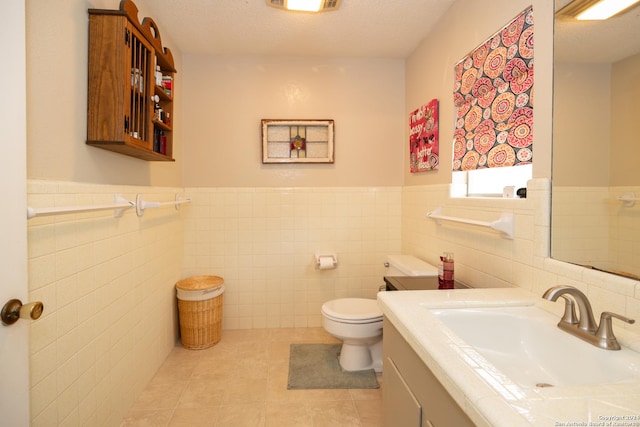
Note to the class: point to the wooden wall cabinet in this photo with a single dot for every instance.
(412, 395)
(130, 105)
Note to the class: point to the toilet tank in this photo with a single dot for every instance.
(408, 265)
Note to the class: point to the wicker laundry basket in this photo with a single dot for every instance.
(200, 310)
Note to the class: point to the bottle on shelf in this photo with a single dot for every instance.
(159, 141)
(156, 107)
(445, 271)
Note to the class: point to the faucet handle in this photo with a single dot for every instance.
(569, 315)
(605, 330)
(608, 315)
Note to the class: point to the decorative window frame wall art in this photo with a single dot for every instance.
(423, 138)
(297, 141)
(493, 95)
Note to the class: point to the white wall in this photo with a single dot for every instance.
(228, 96)
(110, 315)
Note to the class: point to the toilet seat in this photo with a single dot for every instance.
(352, 310)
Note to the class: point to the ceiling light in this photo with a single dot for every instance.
(595, 9)
(605, 9)
(305, 5)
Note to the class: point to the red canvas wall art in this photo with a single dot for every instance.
(423, 138)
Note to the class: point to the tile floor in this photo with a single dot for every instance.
(242, 382)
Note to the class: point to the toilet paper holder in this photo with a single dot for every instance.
(326, 260)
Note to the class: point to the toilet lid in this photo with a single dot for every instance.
(355, 310)
(412, 266)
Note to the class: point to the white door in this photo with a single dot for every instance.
(14, 364)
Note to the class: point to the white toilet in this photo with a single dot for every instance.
(357, 322)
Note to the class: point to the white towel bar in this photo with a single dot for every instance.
(119, 205)
(628, 199)
(141, 204)
(504, 225)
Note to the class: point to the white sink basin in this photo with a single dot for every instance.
(525, 345)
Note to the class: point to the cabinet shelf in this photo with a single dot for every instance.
(164, 96)
(162, 125)
(123, 57)
(130, 149)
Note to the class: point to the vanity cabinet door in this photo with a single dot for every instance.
(438, 408)
(400, 406)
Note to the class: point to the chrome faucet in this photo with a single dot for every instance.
(584, 325)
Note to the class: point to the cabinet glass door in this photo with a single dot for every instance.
(139, 93)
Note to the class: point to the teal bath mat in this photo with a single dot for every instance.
(316, 366)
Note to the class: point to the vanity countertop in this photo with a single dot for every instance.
(486, 396)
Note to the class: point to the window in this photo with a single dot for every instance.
(489, 182)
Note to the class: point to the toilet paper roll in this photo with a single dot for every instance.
(325, 263)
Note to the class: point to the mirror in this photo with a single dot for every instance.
(596, 144)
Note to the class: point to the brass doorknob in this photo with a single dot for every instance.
(14, 310)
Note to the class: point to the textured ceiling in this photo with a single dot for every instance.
(360, 28)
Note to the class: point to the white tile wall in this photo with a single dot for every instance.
(262, 242)
(108, 283)
(595, 228)
(485, 259)
(581, 225)
(107, 287)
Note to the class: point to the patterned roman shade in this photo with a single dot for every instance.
(493, 95)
